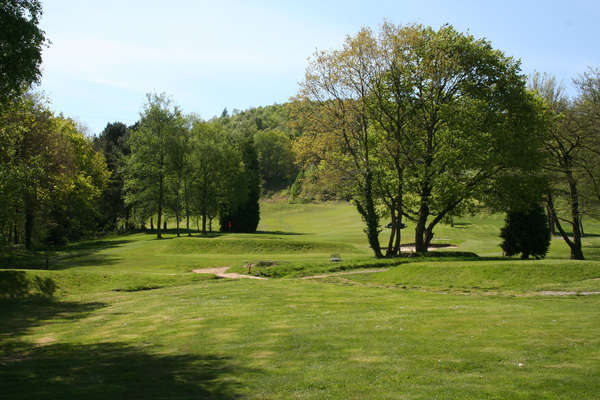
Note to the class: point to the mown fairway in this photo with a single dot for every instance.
(130, 320)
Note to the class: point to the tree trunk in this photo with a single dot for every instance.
(551, 225)
(420, 229)
(369, 214)
(576, 253)
(397, 249)
(160, 201)
(576, 249)
(151, 224)
(399, 208)
(15, 234)
(390, 248)
(29, 221)
(187, 222)
(203, 223)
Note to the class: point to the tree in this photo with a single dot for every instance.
(275, 158)
(113, 143)
(526, 233)
(243, 215)
(50, 175)
(430, 121)
(214, 167)
(178, 149)
(566, 150)
(21, 41)
(470, 120)
(75, 211)
(587, 106)
(147, 167)
(339, 83)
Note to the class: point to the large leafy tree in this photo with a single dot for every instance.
(439, 115)
(339, 83)
(75, 211)
(50, 175)
(470, 120)
(215, 171)
(21, 43)
(148, 165)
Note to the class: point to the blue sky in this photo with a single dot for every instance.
(208, 55)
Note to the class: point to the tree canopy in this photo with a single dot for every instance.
(21, 44)
(441, 113)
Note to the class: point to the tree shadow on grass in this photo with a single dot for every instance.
(114, 371)
(51, 370)
(75, 255)
(18, 316)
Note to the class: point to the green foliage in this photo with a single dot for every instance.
(244, 217)
(216, 171)
(420, 122)
(21, 41)
(148, 166)
(113, 143)
(276, 159)
(526, 233)
(51, 178)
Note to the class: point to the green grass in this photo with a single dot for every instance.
(129, 319)
(497, 276)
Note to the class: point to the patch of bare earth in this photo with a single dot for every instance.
(221, 272)
(566, 293)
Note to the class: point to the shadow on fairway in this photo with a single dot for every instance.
(19, 316)
(77, 255)
(113, 371)
(51, 370)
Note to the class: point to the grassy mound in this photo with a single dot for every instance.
(497, 275)
(252, 245)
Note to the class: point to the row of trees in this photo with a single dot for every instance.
(425, 123)
(51, 177)
(172, 164)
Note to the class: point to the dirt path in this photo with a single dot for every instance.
(370, 271)
(564, 293)
(221, 272)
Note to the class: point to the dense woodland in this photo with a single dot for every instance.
(408, 123)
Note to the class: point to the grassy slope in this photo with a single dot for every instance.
(462, 334)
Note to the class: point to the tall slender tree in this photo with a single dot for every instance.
(147, 167)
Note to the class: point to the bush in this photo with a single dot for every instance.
(526, 233)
